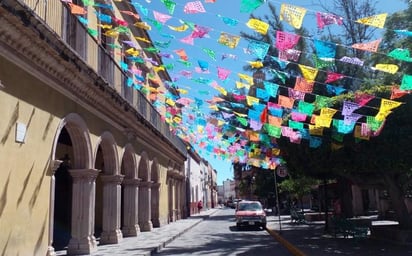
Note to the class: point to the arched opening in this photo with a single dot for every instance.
(154, 172)
(63, 192)
(98, 210)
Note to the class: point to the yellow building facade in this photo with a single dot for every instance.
(85, 158)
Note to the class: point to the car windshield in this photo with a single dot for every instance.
(249, 207)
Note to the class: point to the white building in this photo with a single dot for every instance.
(229, 189)
(194, 174)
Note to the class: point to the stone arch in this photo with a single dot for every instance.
(107, 144)
(108, 189)
(143, 167)
(128, 164)
(79, 135)
(155, 193)
(72, 135)
(145, 184)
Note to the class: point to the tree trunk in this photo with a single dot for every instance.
(397, 198)
(345, 195)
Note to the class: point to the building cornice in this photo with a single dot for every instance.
(29, 43)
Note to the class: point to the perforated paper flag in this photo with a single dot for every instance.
(258, 25)
(228, 40)
(194, 7)
(370, 47)
(375, 20)
(324, 19)
(292, 14)
(286, 40)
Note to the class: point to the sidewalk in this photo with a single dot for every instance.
(311, 239)
(148, 243)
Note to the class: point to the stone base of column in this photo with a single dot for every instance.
(131, 231)
(147, 226)
(50, 251)
(156, 223)
(86, 245)
(111, 237)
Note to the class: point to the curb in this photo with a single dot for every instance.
(290, 247)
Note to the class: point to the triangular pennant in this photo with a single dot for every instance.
(375, 20)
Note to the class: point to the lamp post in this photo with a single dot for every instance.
(283, 172)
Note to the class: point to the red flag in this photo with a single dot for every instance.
(264, 115)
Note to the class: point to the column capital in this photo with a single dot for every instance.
(84, 173)
(155, 185)
(129, 182)
(54, 165)
(117, 178)
(145, 184)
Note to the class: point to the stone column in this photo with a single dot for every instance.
(144, 206)
(155, 204)
(83, 204)
(54, 165)
(130, 207)
(172, 197)
(177, 201)
(111, 209)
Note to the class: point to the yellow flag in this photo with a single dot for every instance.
(381, 115)
(240, 85)
(258, 25)
(105, 26)
(308, 73)
(256, 64)
(239, 114)
(250, 100)
(142, 25)
(142, 39)
(182, 91)
(133, 52)
(275, 151)
(221, 90)
(247, 78)
(179, 29)
(111, 33)
(327, 112)
(214, 107)
(229, 40)
(322, 121)
(159, 68)
(388, 68)
(292, 14)
(387, 105)
(375, 20)
(315, 130)
(170, 102)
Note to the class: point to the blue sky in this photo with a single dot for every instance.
(211, 19)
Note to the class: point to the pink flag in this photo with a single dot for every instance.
(188, 40)
(160, 17)
(194, 7)
(285, 40)
(222, 73)
(362, 99)
(324, 19)
(200, 32)
(331, 77)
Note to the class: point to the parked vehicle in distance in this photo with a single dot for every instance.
(250, 213)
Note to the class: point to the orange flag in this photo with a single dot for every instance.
(76, 9)
(370, 47)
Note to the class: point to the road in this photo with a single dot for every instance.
(218, 235)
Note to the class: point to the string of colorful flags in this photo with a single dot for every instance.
(277, 110)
